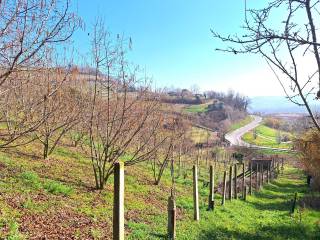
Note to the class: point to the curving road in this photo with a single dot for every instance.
(234, 137)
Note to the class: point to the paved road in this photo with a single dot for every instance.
(235, 137)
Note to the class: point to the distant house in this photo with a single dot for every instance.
(198, 95)
(216, 106)
(185, 93)
(173, 94)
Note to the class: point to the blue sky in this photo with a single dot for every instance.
(172, 40)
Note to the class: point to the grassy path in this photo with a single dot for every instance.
(264, 216)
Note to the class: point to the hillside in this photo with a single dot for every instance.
(215, 115)
(105, 135)
(39, 198)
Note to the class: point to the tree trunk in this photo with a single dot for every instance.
(45, 148)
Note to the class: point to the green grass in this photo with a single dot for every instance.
(57, 188)
(276, 152)
(267, 137)
(264, 216)
(31, 179)
(270, 132)
(60, 189)
(241, 123)
(199, 108)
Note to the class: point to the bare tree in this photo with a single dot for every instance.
(44, 108)
(124, 113)
(60, 111)
(169, 140)
(195, 89)
(285, 42)
(29, 29)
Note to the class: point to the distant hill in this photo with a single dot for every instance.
(277, 104)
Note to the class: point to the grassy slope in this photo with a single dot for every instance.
(199, 108)
(241, 123)
(264, 216)
(40, 197)
(266, 137)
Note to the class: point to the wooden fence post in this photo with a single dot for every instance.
(198, 162)
(195, 194)
(224, 187)
(235, 182)
(268, 172)
(262, 174)
(275, 169)
(272, 169)
(257, 176)
(294, 203)
(230, 183)
(171, 217)
(243, 179)
(179, 169)
(211, 190)
(250, 182)
(118, 201)
(245, 193)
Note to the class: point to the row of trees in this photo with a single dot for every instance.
(109, 113)
(30, 31)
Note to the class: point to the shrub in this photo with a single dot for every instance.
(309, 146)
(272, 123)
(285, 138)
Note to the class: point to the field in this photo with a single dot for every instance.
(199, 108)
(266, 136)
(40, 197)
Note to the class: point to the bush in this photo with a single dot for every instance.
(273, 123)
(285, 138)
(309, 146)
